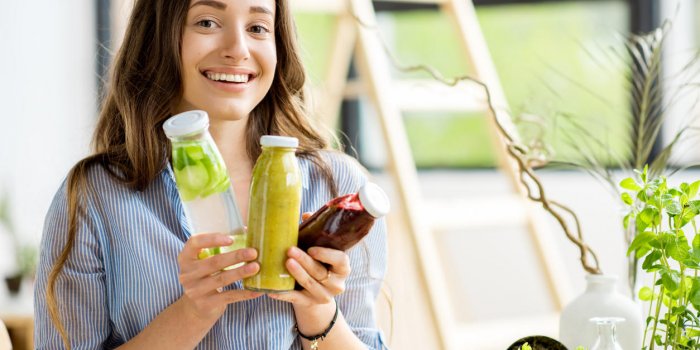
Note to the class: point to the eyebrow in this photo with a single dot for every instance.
(213, 3)
(260, 9)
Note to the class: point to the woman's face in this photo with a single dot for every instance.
(228, 56)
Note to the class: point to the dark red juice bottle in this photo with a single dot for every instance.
(345, 220)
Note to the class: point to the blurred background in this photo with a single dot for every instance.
(552, 57)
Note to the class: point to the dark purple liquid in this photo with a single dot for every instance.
(339, 224)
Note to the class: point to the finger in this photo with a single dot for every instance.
(216, 263)
(220, 280)
(234, 296)
(313, 267)
(200, 241)
(339, 261)
(316, 290)
(306, 215)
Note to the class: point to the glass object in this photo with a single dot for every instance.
(601, 299)
(202, 180)
(273, 213)
(345, 220)
(606, 333)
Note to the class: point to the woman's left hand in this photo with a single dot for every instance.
(321, 283)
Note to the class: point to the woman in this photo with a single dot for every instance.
(119, 268)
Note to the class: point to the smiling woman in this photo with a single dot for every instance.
(119, 266)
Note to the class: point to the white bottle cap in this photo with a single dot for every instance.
(279, 141)
(374, 200)
(186, 123)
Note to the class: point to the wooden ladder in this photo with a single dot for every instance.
(355, 35)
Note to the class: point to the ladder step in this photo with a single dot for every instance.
(432, 96)
(420, 95)
(459, 214)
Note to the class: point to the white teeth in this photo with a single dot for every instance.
(233, 78)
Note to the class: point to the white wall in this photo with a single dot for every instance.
(680, 48)
(48, 100)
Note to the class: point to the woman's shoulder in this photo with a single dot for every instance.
(94, 181)
(347, 172)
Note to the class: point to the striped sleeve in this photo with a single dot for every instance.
(368, 260)
(80, 288)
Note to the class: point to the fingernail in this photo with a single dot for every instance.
(250, 253)
(295, 252)
(252, 267)
(227, 240)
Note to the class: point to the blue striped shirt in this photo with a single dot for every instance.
(122, 271)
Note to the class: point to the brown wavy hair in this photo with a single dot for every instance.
(146, 83)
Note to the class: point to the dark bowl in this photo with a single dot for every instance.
(538, 342)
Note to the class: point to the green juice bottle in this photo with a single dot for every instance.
(273, 213)
(202, 180)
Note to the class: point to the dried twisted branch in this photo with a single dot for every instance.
(520, 153)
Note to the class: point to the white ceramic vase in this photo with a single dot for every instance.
(601, 299)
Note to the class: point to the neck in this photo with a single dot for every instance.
(230, 139)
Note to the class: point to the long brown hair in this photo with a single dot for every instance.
(146, 82)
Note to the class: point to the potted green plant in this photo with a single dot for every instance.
(25, 254)
(668, 244)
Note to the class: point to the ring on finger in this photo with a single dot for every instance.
(328, 275)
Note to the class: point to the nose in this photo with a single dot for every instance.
(235, 46)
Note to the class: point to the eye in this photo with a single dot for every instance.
(207, 23)
(259, 29)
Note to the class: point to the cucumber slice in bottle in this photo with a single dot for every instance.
(192, 178)
(186, 195)
(195, 151)
(179, 156)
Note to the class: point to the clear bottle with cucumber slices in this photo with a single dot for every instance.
(202, 180)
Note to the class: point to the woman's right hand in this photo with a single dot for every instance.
(204, 279)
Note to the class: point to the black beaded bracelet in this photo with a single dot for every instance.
(314, 339)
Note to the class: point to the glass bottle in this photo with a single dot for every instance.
(273, 213)
(606, 333)
(202, 180)
(345, 220)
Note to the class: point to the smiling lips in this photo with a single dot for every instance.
(231, 78)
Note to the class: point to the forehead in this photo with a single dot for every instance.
(254, 6)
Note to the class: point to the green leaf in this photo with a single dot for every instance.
(626, 198)
(526, 346)
(692, 332)
(641, 240)
(693, 189)
(650, 216)
(696, 242)
(678, 249)
(630, 184)
(670, 280)
(677, 310)
(687, 217)
(694, 205)
(646, 294)
(651, 259)
(626, 220)
(673, 208)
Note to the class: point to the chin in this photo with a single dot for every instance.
(233, 114)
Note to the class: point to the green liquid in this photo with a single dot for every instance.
(273, 218)
(239, 242)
